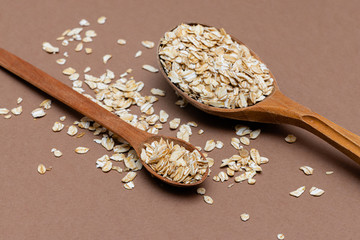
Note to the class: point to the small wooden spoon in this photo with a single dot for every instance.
(277, 108)
(134, 136)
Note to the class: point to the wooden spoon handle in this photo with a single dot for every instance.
(284, 110)
(342, 139)
(70, 97)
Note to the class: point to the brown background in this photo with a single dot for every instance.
(313, 49)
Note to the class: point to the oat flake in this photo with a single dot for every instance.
(17, 110)
(244, 217)
(41, 169)
(208, 200)
(201, 191)
(38, 112)
(150, 68)
(81, 150)
(297, 193)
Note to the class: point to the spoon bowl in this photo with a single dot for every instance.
(134, 136)
(279, 109)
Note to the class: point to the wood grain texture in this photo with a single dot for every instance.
(134, 136)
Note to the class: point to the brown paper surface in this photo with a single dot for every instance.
(313, 49)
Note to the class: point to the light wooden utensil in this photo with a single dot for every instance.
(279, 109)
(134, 136)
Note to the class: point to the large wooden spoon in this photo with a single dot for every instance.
(134, 136)
(279, 109)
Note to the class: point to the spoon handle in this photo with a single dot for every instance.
(71, 98)
(288, 111)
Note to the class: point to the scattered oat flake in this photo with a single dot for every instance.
(74, 31)
(68, 71)
(254, 134)
(100, 162)
(38, 112)
(244, 217)
(41, 169)
(4, 111)
(79, 47)
(117, 168)
(329, 172)
(242, 130)
(19, 100)
(129, 185)
(129, 177)
(281, 236)
(201, 131)
(223, 176)
(7, 116)
(46, 104)
(210, 160)
(57, 153)
(81, 150)
(174, 124)
(17, 110)
(148, 44)
(192, 124)
(62, 118)
(107, 167)
(90, 33)
(307, 170)
(235, 142)
(163, 116)
(49, 48)
(121, 41)
(317, 192)
(201, 191)
(107, 142)
(216, 178)
(72, 131)
(219, 144)
(230, 172)
(84, 23)
(80, 135)
(208, 200)
(209, 145)
(251, 181)
(57, 127)
(118, 157)
(87, 69)
(61, 61)
(230, 185)
(138, 54)
(157, 92)
(245, 141)
(290, 138)
(88, 50)
(101, 20)
(150, 68)
(106, 58)
(297, 193)
(65, 43)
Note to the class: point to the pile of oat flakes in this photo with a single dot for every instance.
(209, 66)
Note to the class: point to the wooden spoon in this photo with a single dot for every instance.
(134, 136)
(277, 108)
